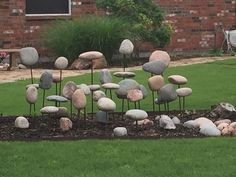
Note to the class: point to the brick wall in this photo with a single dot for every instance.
(195, 23)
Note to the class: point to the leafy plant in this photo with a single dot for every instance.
(70, 38)
(145, 17)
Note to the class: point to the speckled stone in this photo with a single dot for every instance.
(61, 63)
(31, 95)
(106, 104)
(177, 79)
(29, 56)
(45, 81)
(69, 89)
(134, 95)
(156, 82)
(161, 56)
(126, 47)
(79, 99)
(167, 94)
(125, 86)
(91, 55)
(154, 67)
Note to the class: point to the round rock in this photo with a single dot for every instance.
(85, 88)
(136, 114)
(167, 94)
(65, 124)
(98, 94)
(79, 99)
(110, 86)
(31, 95)
(29, 56)
(185, 91)
(125, 74)
(120, 131)
(69, 89)
(45, 81)
(94, 87)
(126, 47)
(21, 122)
(62, 112)
(57, 98)
(156, 82)
(61, 63)
(106, 104)
(161, 56)
(134, 95)
(125, 86)
(177, 79)
(91, 55)
(105, 76)
(154, 67)
(49, 110)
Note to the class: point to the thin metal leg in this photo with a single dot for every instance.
(34, 109)
(122, 106)
(183, 104)
(71, 108)
(180, 104)
(110, 93)
(135, 105)
(60, 83)
(92, 103)
(78, 114)
(43, 97)
(30, 109)
(168, 107)
(128, 104)
(165, 106)
(31, 74)
(85, 114)
(124, 64)
(153, 101)
(139, 104)
(56, 88)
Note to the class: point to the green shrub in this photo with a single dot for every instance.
(71, 37)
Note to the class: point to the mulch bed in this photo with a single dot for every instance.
(47, 128)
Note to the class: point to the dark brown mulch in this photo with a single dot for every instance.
(47, 128)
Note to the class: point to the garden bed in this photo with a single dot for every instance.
(47, 128)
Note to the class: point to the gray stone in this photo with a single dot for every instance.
(166, 123)
(85, 88)
(65, 124)
(209, 130)
(176, 120)
(94, 87)
(21, 122)
(61, 63)
(45, 81)
(102, 117)
(136, 114)
(98, 94)
(154, 67)
(79, 99)
(190, 124)
(126, 47)
(29, 56)
(120, 131)
(124, 74)
(91, 55)
(57, 98)
(183, 92)
(106, 104)
(177, 79)
(49, 110)
(69, 89)
(34, 85)
(125, 86)
(166, 94)
(31, 95)
(105, 76)
(143, 90)
(110, 86)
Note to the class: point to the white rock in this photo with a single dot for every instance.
(166, 122)
(209, 130)
(176, 120)
(202, 121)
(120, 131)
(136, 114)
(49, 110)
(185, 91)
(98, 94)
(31, 95)
(126, 47)
(106, 104)
(21, 122)
(61, 63)
(190, 124)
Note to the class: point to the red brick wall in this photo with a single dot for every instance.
(194, 22)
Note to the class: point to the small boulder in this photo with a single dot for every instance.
(21, 122)
(91, 55)
(176, 120)
(120, 131)
(49, 110)
(156, 82)
(79, 99)
(106, 104)
(46, 80)
(154, 67)
(61, 63)
(29, 56)
(190, 124)
(134, 95)
(98, 94)
(166, 123)
(218, 122)
(69, 89)
(65, 124)
(136, 114)
(124, 74)
(31, 95)
(222, 126)
(94, 87)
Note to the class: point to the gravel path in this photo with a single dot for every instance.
(21, 74)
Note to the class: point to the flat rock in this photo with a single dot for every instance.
(45, 81)
(102, 117)
(98, 94)
(177, 79)
(134, 95)
(126, 47)
(57, 98)
(120, 131)
(106, 104)
(29, 56)
(21, 122)
(166, 123)
(125, 86)
(65, 124)
(32, 85)
(91, 55)
(21, 66)
(136, 114)
(61, 63)
(183, 92)
(69, 89)
(31, 95)
(156, 82)
(79, 99)
(124, 74)
(49, 110)
(85, 88)
(167, 94)
(209, 130)
(154, 67)
(105, 76)
(161, 56)
(94, 87)
(143, 90)
(110, 86)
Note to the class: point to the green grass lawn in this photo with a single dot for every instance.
(211, 83)
(208, 157)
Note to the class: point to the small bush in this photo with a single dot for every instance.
(70, 38)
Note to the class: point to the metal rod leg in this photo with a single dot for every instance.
(139, 104)
(30, 109)
(183, 104)
(34, 109)
(128, 104)
(122, 106)
(180, 104)
(43, 97)
(71, 108)
(92, 103)
(60, 83)
(31, 74)
(153, 101)
(110, 94)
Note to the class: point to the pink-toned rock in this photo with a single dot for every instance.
(160, 55)
(145, 123)
(79, 99)
(177, 79)
(183, 92)
(65, 124)
(156, 82)
(225, 131)
(233, 125)
(222, 126)
(91, 55)
(134, 95)
(218, 122)
(100, 63)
